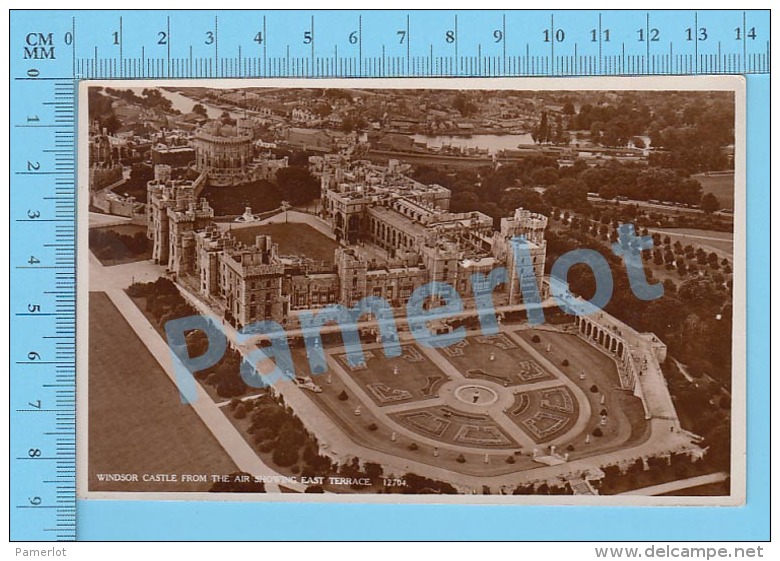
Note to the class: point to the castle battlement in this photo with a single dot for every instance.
(395, 235)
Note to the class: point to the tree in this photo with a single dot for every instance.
(608, 191)
(463, 105)
(269, 416)
(297, 185)
(285, 456)
(199, 109)
(543, 133)
(709, 203)
(226, 118)
(664, 315)
(353, 122)
(373, 470)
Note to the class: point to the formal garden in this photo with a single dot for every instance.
(544, 414)
(391, 380)
(617, 418)
(495, 358)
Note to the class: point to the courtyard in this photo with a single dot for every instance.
(293, 239)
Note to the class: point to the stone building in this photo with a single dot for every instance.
(104, 166)
(529, 226)
(173, 216)
(224, 152)
(246, 279)
(395, 235)
(227, 154)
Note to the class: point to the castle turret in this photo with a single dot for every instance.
(352, 270)
(529, 226)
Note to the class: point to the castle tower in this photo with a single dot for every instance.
(173, 216)
(530, 226)
(352, 276)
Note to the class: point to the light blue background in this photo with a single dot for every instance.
(144, 520)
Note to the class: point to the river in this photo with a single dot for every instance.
(492, 142)
(185, 105)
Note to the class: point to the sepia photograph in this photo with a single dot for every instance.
(497, 291)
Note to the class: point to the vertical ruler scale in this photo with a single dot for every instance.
(43, 280)
(52, 50)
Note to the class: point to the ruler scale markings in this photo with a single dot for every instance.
(744, 41)
(696, 41)
(168, 48)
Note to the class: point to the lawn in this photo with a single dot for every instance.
(457, 427)
(545, 414)
(140, 302)
(510, 365)
(722, 186)
(708, 240)
(137, 423)
(626, 424)
(293, 239)
(409, 377)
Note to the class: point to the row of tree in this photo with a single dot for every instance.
(493, 191)
(694, 318)
(110, 245)
(162, 300)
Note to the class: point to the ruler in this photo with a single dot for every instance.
(52, 50)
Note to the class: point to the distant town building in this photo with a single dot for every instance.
(302, 116)
(174, 156)
(308, 139)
